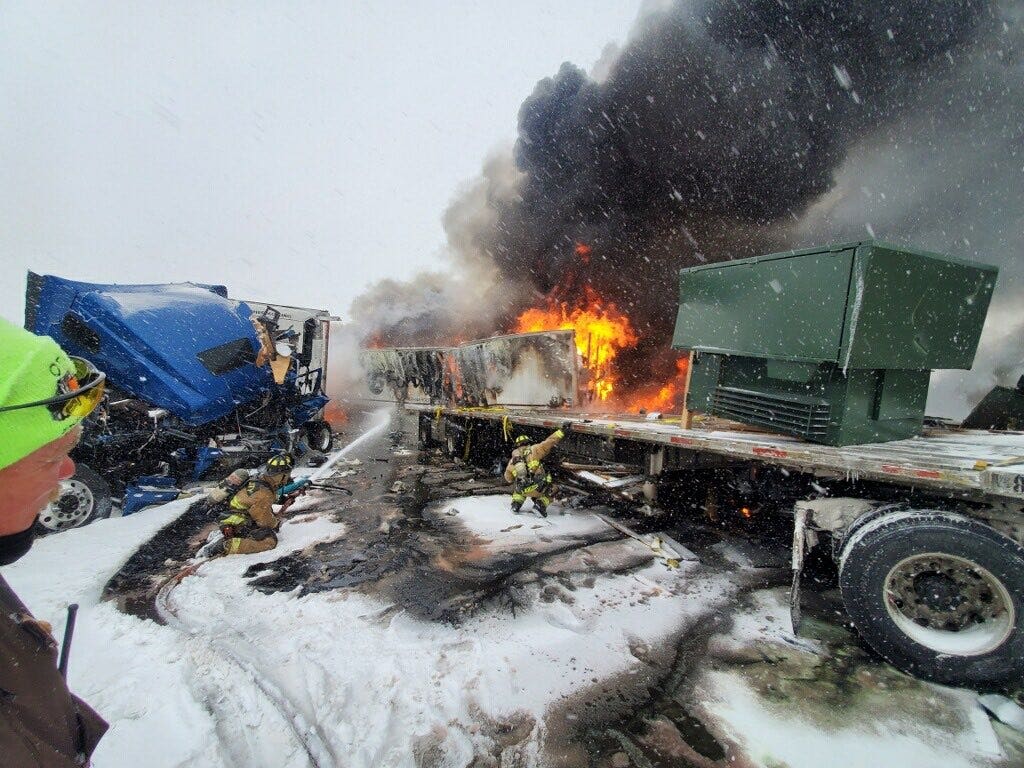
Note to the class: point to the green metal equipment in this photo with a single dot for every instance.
(833, 344)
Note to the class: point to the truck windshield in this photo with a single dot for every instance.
(227, 357)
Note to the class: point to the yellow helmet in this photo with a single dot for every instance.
(522, 439)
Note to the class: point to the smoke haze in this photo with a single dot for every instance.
(726, 129)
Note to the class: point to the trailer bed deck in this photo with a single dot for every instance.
(971, 462)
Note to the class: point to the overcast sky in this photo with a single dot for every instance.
(293, 151)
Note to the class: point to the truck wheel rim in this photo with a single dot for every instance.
(949, 604)
(323, 438)
(72, 508)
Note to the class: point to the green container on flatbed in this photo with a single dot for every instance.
(832, 344)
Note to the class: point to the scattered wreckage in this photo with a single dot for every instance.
(812, 406)
(198, 383)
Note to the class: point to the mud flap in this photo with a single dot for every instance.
(799, 550)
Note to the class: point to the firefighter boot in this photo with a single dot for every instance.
(541, 506)
(516, 506)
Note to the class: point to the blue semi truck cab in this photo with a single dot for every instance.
(198, 383)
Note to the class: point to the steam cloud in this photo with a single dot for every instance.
(725, 129)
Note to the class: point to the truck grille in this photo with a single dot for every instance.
(804, 416)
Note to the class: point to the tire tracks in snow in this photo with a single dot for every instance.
(215, 655)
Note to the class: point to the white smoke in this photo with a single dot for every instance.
(949, 177)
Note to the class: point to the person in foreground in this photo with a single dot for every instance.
(44, 395)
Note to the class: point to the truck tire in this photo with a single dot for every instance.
(84, 497)
(938, 595)
(844, 536)
(320, 436)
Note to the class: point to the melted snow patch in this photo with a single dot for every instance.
(492, 517)
(772, 736)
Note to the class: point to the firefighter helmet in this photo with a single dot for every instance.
(282, 462)
(522, 439)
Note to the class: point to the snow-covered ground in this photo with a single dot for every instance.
(382, 688)
(909, 725)
(238, 677)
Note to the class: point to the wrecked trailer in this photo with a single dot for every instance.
(539, 368)
(927, 531)
(196, 382)
(401, 374)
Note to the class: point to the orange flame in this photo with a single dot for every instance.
(601, 331)
(666, 397)
(335, 414)
(376, 340)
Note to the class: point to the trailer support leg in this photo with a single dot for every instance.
(799, 550)
(655, 465)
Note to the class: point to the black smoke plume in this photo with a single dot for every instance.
(718, 131)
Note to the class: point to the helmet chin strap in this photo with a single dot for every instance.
(15, 545)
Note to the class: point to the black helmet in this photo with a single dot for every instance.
(282, 462)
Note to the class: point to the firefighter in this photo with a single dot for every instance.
(44, 395)
(252, 525)
(526, 471)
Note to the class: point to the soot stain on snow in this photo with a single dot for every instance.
(645, 713)
(398, 548)
(828, 686)
(135, 584)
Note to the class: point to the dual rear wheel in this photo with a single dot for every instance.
(938, 595)
(83, 498)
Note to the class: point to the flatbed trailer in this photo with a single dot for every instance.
(970, 463)
(927, 532)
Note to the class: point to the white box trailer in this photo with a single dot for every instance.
(312, 329)
(516, 369)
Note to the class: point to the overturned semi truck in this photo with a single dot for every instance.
(197, 383)
(806, 399)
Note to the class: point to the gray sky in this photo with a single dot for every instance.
(293, 151)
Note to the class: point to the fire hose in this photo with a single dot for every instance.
(290, 493)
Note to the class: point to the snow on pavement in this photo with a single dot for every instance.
(775, 736)
(158, 689)
(383, 688)
(491, 517)
(239, 677)
(73, 566)
(879, 726)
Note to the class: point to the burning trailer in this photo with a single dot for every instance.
(526, 369)
(197, 382)
(808, 382)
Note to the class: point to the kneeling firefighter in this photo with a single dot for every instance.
(525, 470)
(251, 525)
